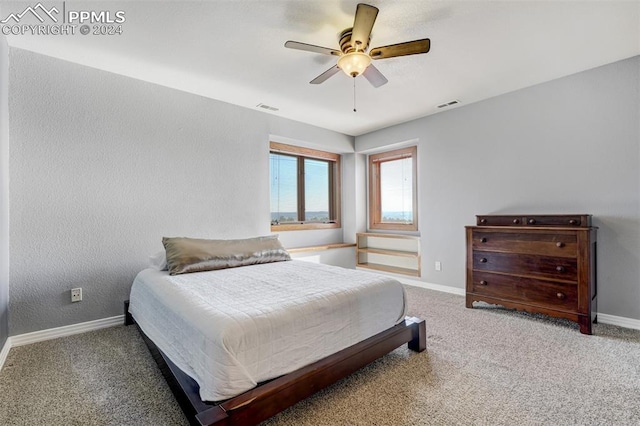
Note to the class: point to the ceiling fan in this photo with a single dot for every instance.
(352, 56)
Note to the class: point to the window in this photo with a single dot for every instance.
(304, 188)
(392, 190)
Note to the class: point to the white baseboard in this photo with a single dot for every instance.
(619, 321)
(417, 283)
(5, 352)
(54, 333)
(68, 330)
(431, 286)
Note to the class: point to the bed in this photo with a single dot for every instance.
(239, 344)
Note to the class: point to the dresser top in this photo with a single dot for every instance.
(535, 220)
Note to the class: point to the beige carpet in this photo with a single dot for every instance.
(482, 366)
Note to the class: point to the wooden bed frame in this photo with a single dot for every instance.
(271, 397)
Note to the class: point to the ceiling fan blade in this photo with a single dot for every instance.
(312, 48)
(374, 76)
(362, 26)
(401, 49)
(325, 75)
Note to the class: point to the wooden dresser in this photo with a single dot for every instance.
(535, 263)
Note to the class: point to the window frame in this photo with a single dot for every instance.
(334, 186)
(375, 207)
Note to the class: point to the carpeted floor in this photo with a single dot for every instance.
(483, 366)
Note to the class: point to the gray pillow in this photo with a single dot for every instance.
(186, 255)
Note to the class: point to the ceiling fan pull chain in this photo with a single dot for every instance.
(354, 93)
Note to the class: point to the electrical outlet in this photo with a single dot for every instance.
(438, 265)
(76, 294)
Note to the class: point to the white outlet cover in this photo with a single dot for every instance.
(76, 294)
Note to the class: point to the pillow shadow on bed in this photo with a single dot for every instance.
(185, 255)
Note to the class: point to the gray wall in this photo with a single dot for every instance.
(571, 145)
(4, 191)
(355, 196)
(103, 166)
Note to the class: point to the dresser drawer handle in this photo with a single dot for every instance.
(532, 221)
(483, 220)
(560, 268)
(483, 240)
(483, 260)
(560, 244)
(561, 296)
(516, 221)
(573, 222)
(483, 282)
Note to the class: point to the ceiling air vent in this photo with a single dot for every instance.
(267, 107)
(448, 104)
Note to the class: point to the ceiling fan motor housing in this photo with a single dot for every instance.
(345, 42)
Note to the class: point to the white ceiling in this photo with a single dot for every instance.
(233, 51)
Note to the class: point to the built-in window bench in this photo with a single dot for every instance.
(395, 253)
(339, 254)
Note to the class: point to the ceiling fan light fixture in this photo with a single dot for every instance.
(353, 64)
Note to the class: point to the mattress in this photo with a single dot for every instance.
(234, 328)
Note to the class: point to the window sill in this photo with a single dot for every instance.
(303, 226)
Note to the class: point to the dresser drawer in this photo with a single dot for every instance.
(493, 220)
(526, 290)
(561, 268)
(550, 244)
(558, 220)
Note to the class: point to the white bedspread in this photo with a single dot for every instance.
(233, 328)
